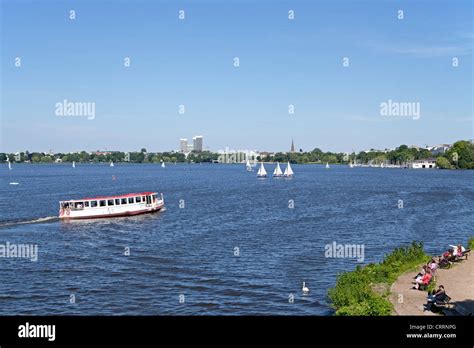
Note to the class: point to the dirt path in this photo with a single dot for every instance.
(457, 282)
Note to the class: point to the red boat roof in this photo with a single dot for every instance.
(113, 197)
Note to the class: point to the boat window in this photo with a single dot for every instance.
(110, 202)
(117, 201)
(86, 204)
(79, 205)
(148, 199)
(154, 198)
(93, 204)
(138, 199)
(143, 198)
(124, 201)
(130, 200)
(103, 203)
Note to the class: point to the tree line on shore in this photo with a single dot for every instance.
(459, 156)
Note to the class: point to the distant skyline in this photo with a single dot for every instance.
(183, 146)
(150, 78)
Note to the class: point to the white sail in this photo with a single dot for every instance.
(73, 164)
(162, 164)
(288, 171)
(277, 172)
(327, 165)
(248, 167)
(9, 165)
(351, 165)
(111, 163)
(261, 171)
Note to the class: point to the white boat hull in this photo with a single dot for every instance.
(87, 212)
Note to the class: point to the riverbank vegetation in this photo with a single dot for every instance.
(108, 156)
(365, 290)
(459, 156)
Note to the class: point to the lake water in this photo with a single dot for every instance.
(190, 253)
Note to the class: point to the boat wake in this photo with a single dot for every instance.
(32, 221)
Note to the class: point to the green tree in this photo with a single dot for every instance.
(461, 154)
(443, 163)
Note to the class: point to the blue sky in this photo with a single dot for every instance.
(190, 62)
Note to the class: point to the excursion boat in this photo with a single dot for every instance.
(111, 206)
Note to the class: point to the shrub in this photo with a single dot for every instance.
(443, 163)
(470, 243)
(353, 293)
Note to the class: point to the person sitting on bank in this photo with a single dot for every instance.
(432, 265)
(459, 250)
(438, 295)
(422, 272)
(424, 280)
(449, 255)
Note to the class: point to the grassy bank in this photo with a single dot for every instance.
(365, 290)
(470, 243)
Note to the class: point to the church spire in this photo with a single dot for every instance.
(292, 146)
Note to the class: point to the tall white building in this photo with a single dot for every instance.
(197, 143)
(183, 145)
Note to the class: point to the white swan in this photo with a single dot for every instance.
(305, 289)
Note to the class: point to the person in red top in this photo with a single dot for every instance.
(423, 280)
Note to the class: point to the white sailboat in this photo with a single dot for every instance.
(73, 164)
(9, 164)
(111, 163)
(381, 165)
(288, 171)
(262, 173)
(162, 164)
(327, 165)
(351, 165)
(277, 173)
(248, 167)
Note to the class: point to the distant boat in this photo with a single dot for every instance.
(9, 165)
(14, 183)
(327, 165)
(277, 173)
(351, 165)
(262, 173)
(288, 171)
(73, 164)
(111, 163)
(248, 167)
(381, 165)
(162, 164)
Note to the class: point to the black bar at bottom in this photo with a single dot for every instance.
(207, 330)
